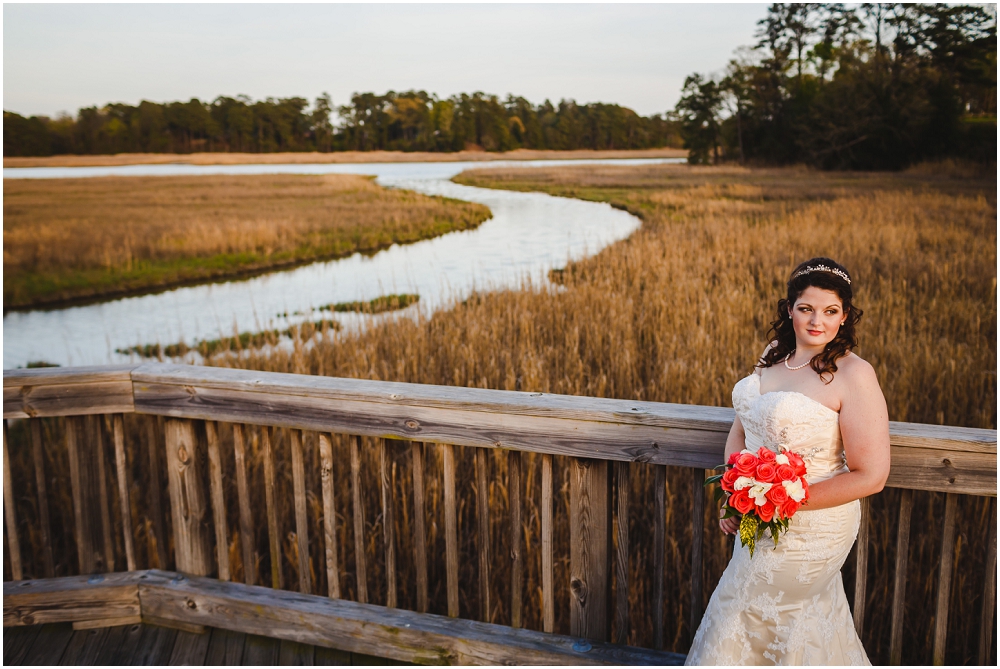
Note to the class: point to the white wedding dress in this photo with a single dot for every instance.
(786, 605)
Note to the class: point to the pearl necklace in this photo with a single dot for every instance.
(799, 366)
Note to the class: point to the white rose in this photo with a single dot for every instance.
(742, 482)
(781, 459)
(758, 492)
(794, 489)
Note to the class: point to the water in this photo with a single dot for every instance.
(529, 234)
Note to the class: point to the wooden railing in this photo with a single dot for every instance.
(600, 436)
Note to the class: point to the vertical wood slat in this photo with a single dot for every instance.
(359, 520)
(10, 516)
(121, 465)
(450, 528)
(273, 534)
(861, 566)
(156, 490)
(45, 528)
(516, 556)
(659, 537)
(329, 516)
(388, 523)
(944, 577)
(697, 547)
(81, 534)
(218, 500)
(989, 589)
(899, 584)
(301, 518)
(483, 516)
(246, 514)
(590, 548)
(84, 479)
(621, 552)
(548, 592)
(192, 546)
(419, 527)
(98, 431)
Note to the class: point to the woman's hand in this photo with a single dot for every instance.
(729, 525)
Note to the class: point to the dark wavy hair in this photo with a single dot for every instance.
(782, 334)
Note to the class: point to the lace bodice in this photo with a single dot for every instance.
(790, 420)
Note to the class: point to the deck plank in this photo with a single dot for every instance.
(295, 654)
(17, 643)
(120, 645)
(155, 646)
(190, 649)
(84, 646)
(331, 657)
(225, 648)
(260, 651)
(49, 645)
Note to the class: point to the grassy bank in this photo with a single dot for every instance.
(71, 239)
(313, 157)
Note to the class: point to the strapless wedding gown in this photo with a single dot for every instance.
(786, 605)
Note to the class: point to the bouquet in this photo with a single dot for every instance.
(765, 487)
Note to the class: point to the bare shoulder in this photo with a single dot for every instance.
(856, 373)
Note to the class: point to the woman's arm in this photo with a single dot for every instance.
(864, 426)
(735, 442)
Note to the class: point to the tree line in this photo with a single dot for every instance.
(868, 86)
(405, 121)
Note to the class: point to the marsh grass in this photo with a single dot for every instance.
(675, 313)
(80, 238)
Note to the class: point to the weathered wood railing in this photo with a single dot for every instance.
(600, 436)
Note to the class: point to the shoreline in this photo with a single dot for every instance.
(315, 158)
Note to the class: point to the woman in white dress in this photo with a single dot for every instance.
(811, 394)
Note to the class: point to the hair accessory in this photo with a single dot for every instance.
(823, 268)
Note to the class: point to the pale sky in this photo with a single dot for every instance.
(57, 58)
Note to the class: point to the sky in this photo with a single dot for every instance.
(58, 58)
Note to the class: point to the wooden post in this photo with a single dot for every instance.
(697, 547)
(273, 534)
(450, 528)
(246, 514)
(590, 548)
(899, 585)
(419, 528)
(156, 490)
(659, 532)
(944, 577)
(483, 517)
(192, 546)
(359, 520)
(989, 589)
(329, 516)
(861, 567)
(121, 465)
(43, 498)
(516, 557)
(218, 500)
(301, 519)
(97, 432)
(84, 482)
(388, 524)
(621, 553)
(10, 516)
(548, 592)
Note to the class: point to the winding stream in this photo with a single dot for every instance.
(529, 234)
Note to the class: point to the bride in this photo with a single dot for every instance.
(811, 394)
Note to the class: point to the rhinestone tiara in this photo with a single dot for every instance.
(823, 268)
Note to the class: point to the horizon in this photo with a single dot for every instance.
(59, 59)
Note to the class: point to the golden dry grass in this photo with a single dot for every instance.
(675, 313)
(336, 157)
(72, 238)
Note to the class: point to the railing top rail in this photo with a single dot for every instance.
(934, 457)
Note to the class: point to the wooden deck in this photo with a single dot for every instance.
(141, 644)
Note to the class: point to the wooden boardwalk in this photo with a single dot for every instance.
(142, 644)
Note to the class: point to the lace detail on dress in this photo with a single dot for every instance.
(787, 604)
